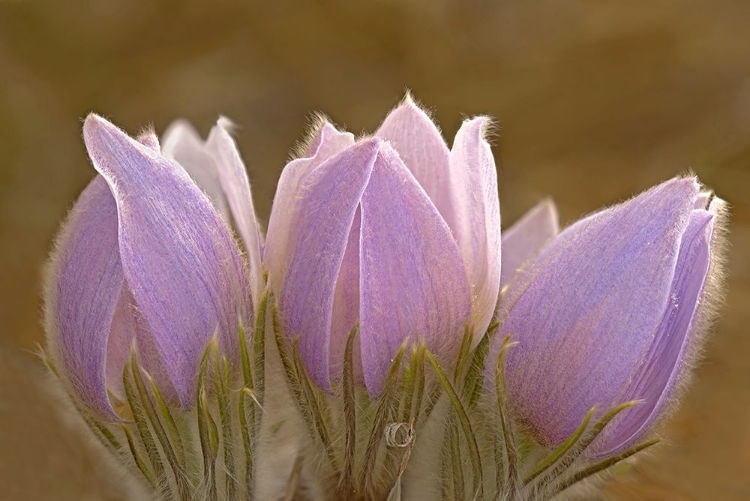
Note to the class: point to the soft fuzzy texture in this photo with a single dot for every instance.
(605, 315)
(395, 231)
(143, 259)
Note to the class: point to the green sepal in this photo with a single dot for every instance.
(221, 383)
(380, 421)
(292, 377)
(156, 425)
(137, 459)
(247, 430)
(174, 432)
(602, 465)
(472, 389)
(560, 450)
(407, 387)
(457, 472)
(247, 375)
(259, 349)
(206, 428)
(465, 422)
(246, 415)
(508, 475)
(141, 423)
(315, 406)
(420, 383)
(463, 353)
(345, 486)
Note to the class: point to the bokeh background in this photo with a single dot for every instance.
(594, 101)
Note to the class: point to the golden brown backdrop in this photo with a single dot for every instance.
(595, 100)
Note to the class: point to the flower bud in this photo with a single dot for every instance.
(611, 311)
(396, 232)
(144, 259)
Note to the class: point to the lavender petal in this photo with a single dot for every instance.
(324, 144)
(586, 312)
(422, 148)
(659, 376)
(179, 259)
(82, 291)
(236, 186)
(315, 242)
(413, 280)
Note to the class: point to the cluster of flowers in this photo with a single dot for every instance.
(371, 345)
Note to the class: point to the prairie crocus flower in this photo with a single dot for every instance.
(145, 260)
(393, 231)
(383, 262)
(611, 311)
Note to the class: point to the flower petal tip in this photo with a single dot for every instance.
(481, 124)
(227, 124)
(96, 124)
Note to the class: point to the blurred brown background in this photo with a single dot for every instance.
(595, 101)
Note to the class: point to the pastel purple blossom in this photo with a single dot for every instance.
(612, 310)
(143, 260)
(396, 232)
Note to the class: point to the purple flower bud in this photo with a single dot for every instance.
(397, 232)
(611, 311)
(144, 259)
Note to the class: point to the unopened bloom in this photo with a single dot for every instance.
(145, 260)
(611, 311)
(394, 231)
(395, 235)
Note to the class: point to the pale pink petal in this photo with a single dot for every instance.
(422, 148)
(236, 186)
(523, 241)
(326, 142)
(413, 283)
(476, 224)
(316, 241)
(182, 143)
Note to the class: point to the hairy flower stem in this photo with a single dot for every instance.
(465, 422)
(359, 449)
